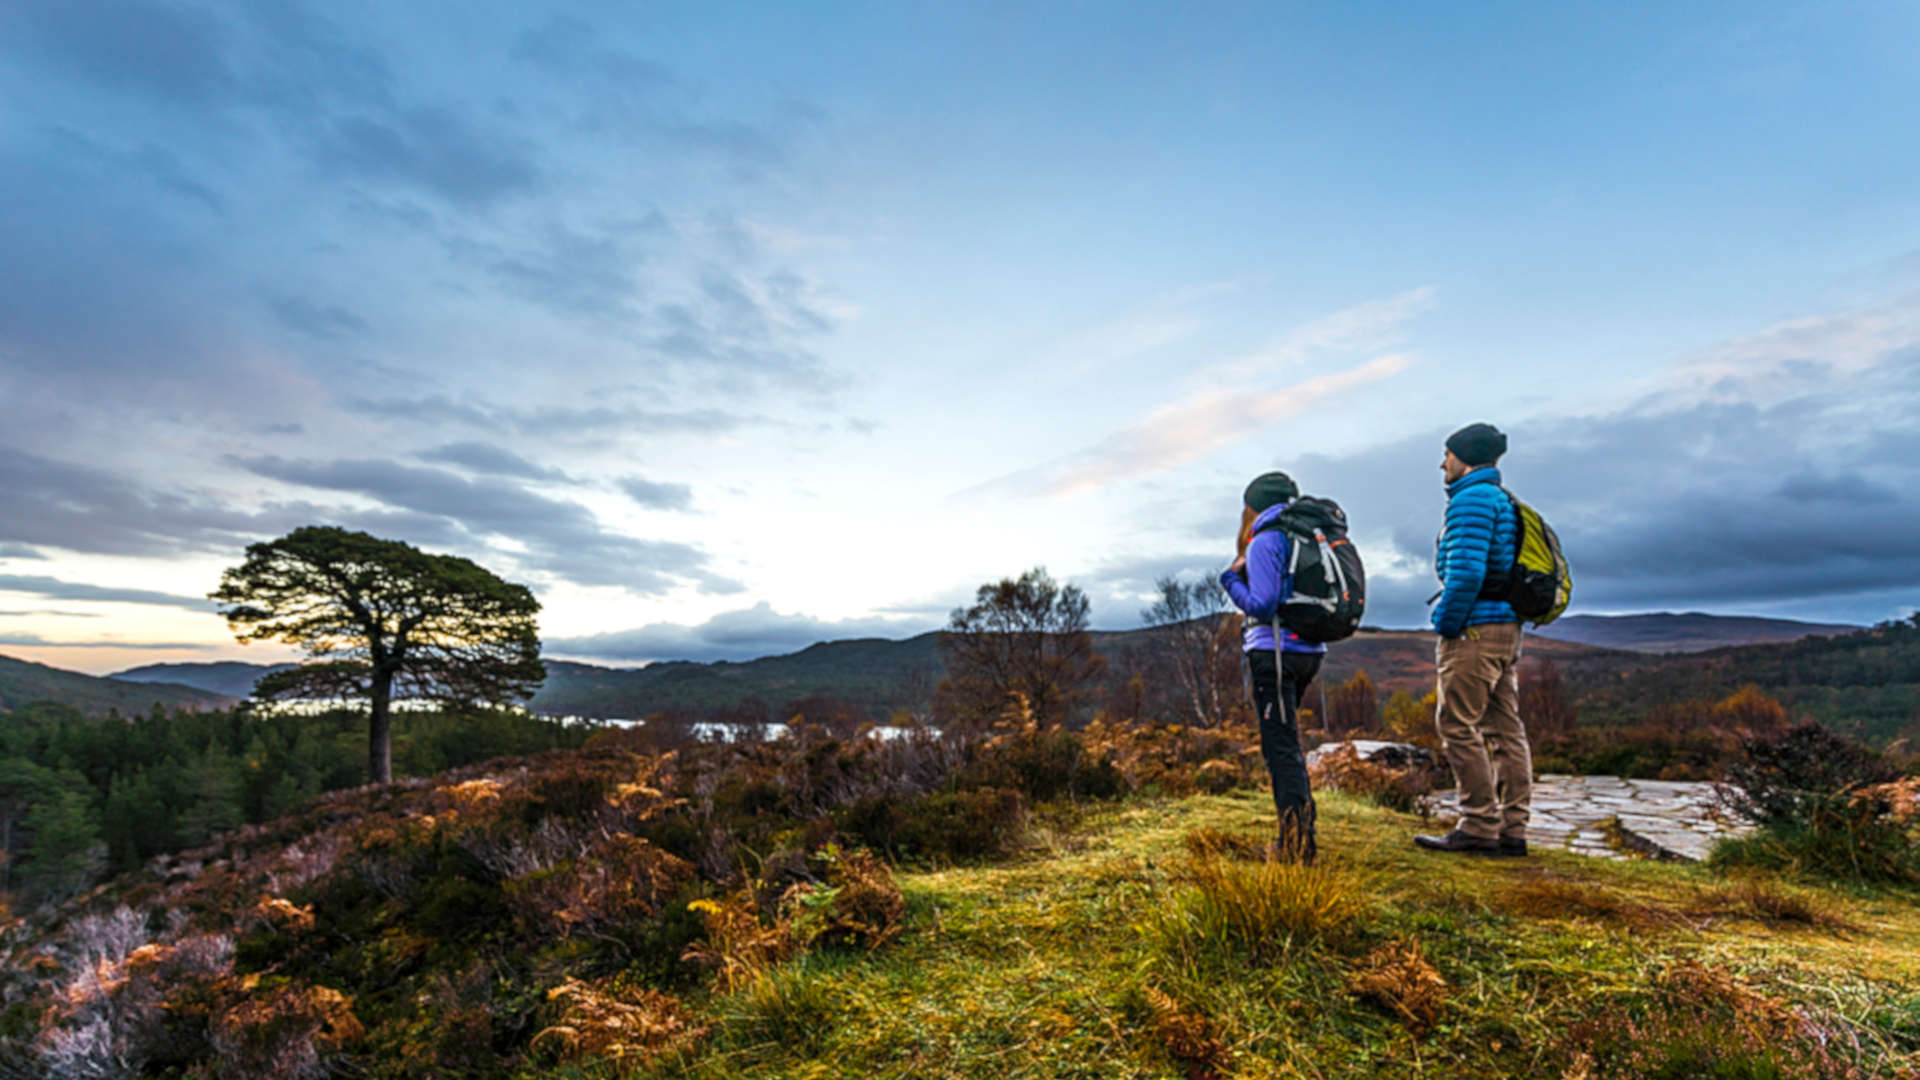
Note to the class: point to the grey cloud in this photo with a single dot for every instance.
(657, 496)
(77, 508)
(326, 321)
(553, 420)
(490, 459)
(165, 50)
(57, 504)
(1842, 488)
(55, 589)
(55, 614)
(734, 635)
(629, 96)
(431, 148)
(312, 60)
(1117, 591)
(19, 551)
(1677, 506)
(284, 429)
(35, 640)
(571, 272)
(568, 47)
(564, 538)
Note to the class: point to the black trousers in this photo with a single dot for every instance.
(1278, 681)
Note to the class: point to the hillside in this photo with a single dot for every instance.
(1665, 632)
(1865, 684)
(1403, 659)
(229, 678)
(569, 915)
(23, 682)
(876, 674)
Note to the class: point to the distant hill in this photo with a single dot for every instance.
(229, 678)
(1665, 632)
(1865, 683)
(882, 675)
(876, 674)
(23, 682)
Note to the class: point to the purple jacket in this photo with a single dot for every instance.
(1264, 585)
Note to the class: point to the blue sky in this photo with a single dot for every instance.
(732, 327)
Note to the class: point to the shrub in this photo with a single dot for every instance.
(967, 823)
(288, 1032)
(858, 905)
(615, 1020)
(739, 946)
(1824, 807)
(1044, 765)
(1342, 769)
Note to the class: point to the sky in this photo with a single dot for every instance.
(731, 328)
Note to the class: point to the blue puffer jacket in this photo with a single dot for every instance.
(1266, 584)
(1482, 531)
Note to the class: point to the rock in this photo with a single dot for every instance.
(1393, 755)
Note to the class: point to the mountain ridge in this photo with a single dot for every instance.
(1660, 632)
(23, 682)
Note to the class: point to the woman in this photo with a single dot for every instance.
(1281, 665)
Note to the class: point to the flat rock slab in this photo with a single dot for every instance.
(1664, 819)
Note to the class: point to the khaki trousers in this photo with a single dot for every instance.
(1478, 714)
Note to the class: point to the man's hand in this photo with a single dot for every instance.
(1239, 565)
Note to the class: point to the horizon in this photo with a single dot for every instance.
(726, 347)
(1369, 628)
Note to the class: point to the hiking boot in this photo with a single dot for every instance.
(1457, 841)
(1513, 845)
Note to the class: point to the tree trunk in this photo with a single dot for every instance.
(380, 730)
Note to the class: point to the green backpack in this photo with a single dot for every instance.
(1539, 584)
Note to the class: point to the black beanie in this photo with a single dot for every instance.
(1268, 489)
(1478, 444)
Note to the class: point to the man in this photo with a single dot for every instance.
(1279, 663)
(1478, 651)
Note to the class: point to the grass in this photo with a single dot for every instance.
(1157, 943)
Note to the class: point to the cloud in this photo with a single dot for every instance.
(326, 321)
(490, 460)
(622, 94)
(167, 51)
(53, 614)
(1812, 487)
(1226, 405)
(552, 420)
(81, 508)
(55, 589)
(657, 496)
(36, 641)
(1677, 504)
(570, 272)
(19, 551)
(561, 538)
(435, 150)
(1186, 431)
(734, 635)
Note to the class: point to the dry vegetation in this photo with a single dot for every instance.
(854, 907)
